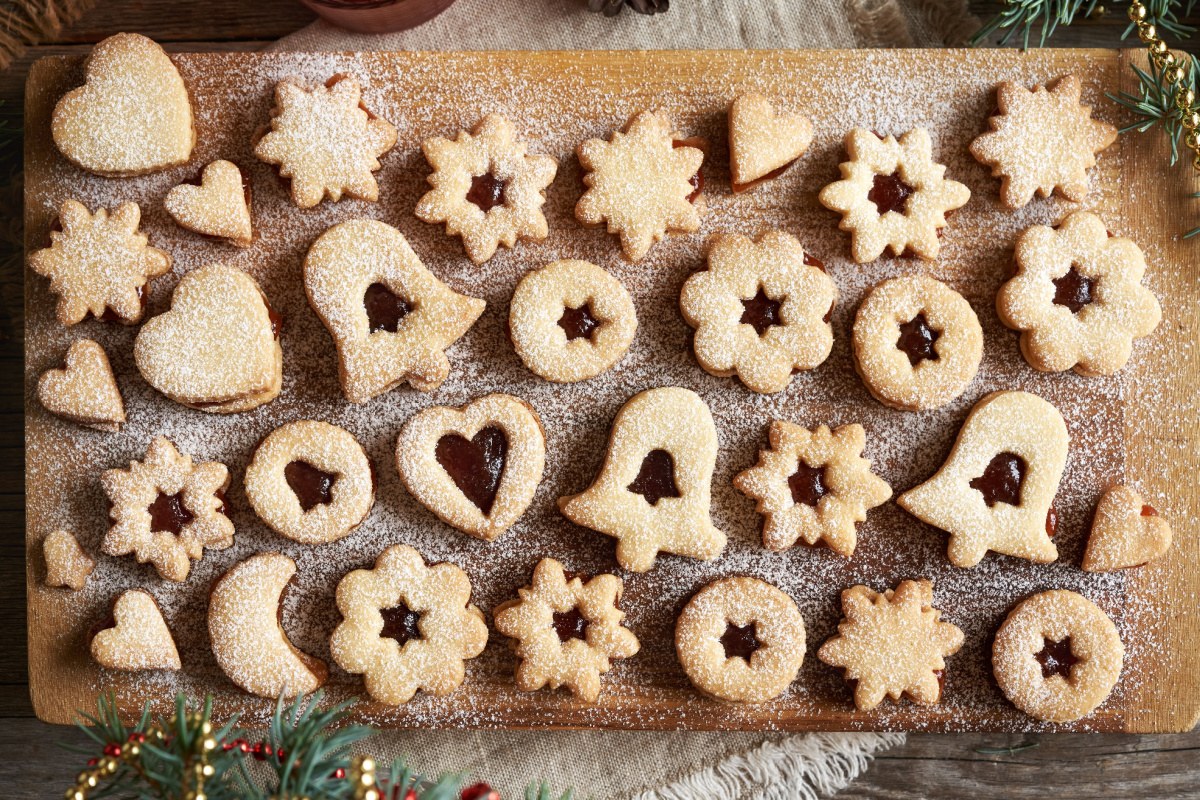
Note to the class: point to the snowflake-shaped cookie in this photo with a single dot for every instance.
(892, 644)
(166, 509)
(566, 632)
(1078, 297)
(324, 141)
(640, 183)
(893, 195)
(486, 189)
(1042, 140)
(813, 485)
(99, 262)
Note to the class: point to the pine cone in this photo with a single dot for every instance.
(610, 8)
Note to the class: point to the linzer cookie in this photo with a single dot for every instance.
(84, 390)
(66, 563)
(134, 636)
(1127, 532)
(763, 144)
(217, 207)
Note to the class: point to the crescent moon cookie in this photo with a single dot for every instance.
(218, 206)
(98, 264)
(1057, 656)
(166, 509)
(325, 140)
(1043, 141)
(1127, 532)
(476, 467)
(652, 494)
(407, 626)
(217, 348)
(390, 318)
(892, 644)
(763, 144)
(84, 390)
(131, 116)
(311, 482)
(813, 486)
(740, 640)
(134, 636)
(761, 310)
(892, 195)
(643, 183)
(1077, 297)
(66, 563)
(571, 321)
(917, 343)
(247, 638)
(566, 632)
(996, 490)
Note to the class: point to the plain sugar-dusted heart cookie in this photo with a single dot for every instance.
(217, 349)
(1127, 533)
(218, 207)
(134, 636)
(84, 390)
(762, 144)
(66, 563)
(131, 116)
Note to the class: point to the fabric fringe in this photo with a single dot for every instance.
(29, 22)
(878, 23)
(950, 19)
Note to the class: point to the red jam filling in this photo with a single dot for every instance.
(384, 308)
(400, 623)
(761, 312)
(917, 340)
(889, 193)
(167, 514)
(1056, 658)
(1149, 511)
(656, 478)
(697, 180)
(476, 464)
(740, 642)
(808, 484)
(1001, 480)
(313, 487)
(1051, 522)
(1074, 290)
(570, 625)
(487, 192)
(578, 323)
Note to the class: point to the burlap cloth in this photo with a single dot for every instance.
(618, 764)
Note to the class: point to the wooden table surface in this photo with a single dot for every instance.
(928, 766)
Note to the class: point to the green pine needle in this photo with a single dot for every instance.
(1023, 15)
(1155, 103)
(542, 792)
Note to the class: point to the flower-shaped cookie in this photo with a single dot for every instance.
(325, 141)
(892, 195)
(1126, 533)
(66, 563)
(84, 390)
(1042, 140)
(760, 310)
(640, 183)
(166, 509)
(99, 264)
(1078, 297)
(892, 644)
(407, 626)
(813, 485)
(566, 632)
(485, 188)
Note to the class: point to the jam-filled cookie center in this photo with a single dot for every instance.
(890, 193)
(1074, 290)
(384, 308)
(570, 625)
(808, 484)
(313, 487)
(168, 514)
(487, 191)
(761, 312)
(476, 465)
(578, 323)
(400, 623)
(1001, 480)
(917, 340)
(1056, 658)
(656, 478)
(740, 642)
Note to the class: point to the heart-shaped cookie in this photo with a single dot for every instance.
(217, 349)
(84, 390)
(131, 116)
(475, 467)
(1126, 533)
(219, 206)
(134, 636)
(762, 144)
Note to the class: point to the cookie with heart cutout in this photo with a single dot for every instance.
(66, 563)
(134, 635)
(653, 492)
(217, 349)
(84, 390)
(218, 207)
(131, 116)
(389, 317)
(1127, 532)
(762, 143)
(476, 467)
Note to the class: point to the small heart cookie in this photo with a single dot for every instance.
(762, 144)
(131, 116)
(66, 563)
(1126, 533)
(217, 349)
(134, 636)
(84, 390)
(217, 207)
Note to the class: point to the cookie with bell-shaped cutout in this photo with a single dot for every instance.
(1127, 532)
(134, 636)
(84, 390)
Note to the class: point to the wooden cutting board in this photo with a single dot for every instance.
(1139, 426)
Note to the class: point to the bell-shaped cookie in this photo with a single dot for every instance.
(1126, 533)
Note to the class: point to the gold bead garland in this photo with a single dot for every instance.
(1173, 74)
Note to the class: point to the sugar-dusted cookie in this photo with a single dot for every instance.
(892, 644)
(566, 631)
(390, 318)
(83, 390)
(761, 310)
(99, 264)
(643, 183)
(311, 481)
(653, 492)
(217, 349)
(244, 610)
(893, 195)
(131, 116)
(325, 140)
(66, 563)
(485, 188)
(1057, 656)
(1042, 141)
(407, 626)
(740, 640)
(570, 321)
(996, 490)
(218, 206)
(166, 509)
(1127, 532)
(476, 467)
(916, 343)
(1077, 297)
(134, 636)
(813, 486)
(763, 144)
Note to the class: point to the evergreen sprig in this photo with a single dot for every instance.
(1155, 104)
(1023, 15)
(1164, 15)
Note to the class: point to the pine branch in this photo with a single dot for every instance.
(1023, 15)
(1156, 102)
